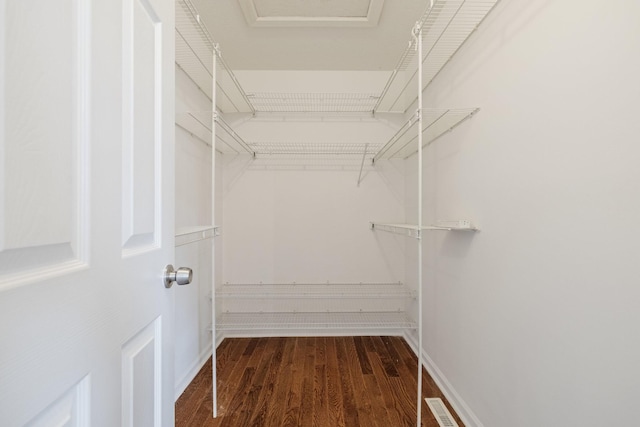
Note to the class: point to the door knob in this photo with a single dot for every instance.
(182, 276)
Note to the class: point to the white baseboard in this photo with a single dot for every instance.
(264, 333)
(197, 364)
(459, 405)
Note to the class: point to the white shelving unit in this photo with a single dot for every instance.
(437, 36)
(321, 307)
(199, 57)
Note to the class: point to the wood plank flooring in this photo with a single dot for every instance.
(315, 382)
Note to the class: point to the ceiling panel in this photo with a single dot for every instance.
(311, 13)
(308, 8)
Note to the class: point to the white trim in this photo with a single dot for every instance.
(463, 410)
(371, 20)
(272, 333)
(197, 364)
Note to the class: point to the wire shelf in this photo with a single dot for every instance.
(309, 163)
(194, 52)
(408, 230)
(229, 140)
(187, 235)
(313, 155)
(436, 122)
(315, 290)
(314, 148)
(445, 27)
(314, 321)
(314, 102)
(198, 123)
(412, 230)
(456, 225)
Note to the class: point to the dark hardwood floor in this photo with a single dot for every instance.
(316, 382)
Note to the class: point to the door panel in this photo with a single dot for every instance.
(142, 377)
(142, 71)
(71, 410)
(44, 75)
(86, 212)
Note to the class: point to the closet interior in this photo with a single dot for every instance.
(361, 288)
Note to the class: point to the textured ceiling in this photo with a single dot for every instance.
(246, 47)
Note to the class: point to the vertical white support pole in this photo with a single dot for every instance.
(419, 402)
(214, 113)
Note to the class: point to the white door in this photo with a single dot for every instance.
(86, 212)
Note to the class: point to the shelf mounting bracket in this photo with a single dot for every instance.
(364, 156)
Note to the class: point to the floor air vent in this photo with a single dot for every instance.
(442, 414)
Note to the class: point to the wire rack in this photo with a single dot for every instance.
(315, 163)
(412, 230)
(313, 155)
(314, 321)
(229, 139)
(280, 155)
(314, 148)
(314, 102)
(194, 54)
(445, 27)
(436, 122)
(198, 123)
(314, 290)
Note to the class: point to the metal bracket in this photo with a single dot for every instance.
(216, 49)
(415, 33)
(364, 155)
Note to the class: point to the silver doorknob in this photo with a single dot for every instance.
(182, 276)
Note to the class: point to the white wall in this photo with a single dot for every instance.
(286, 224)
(533, 320)
(308, 227)
(193, 208)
